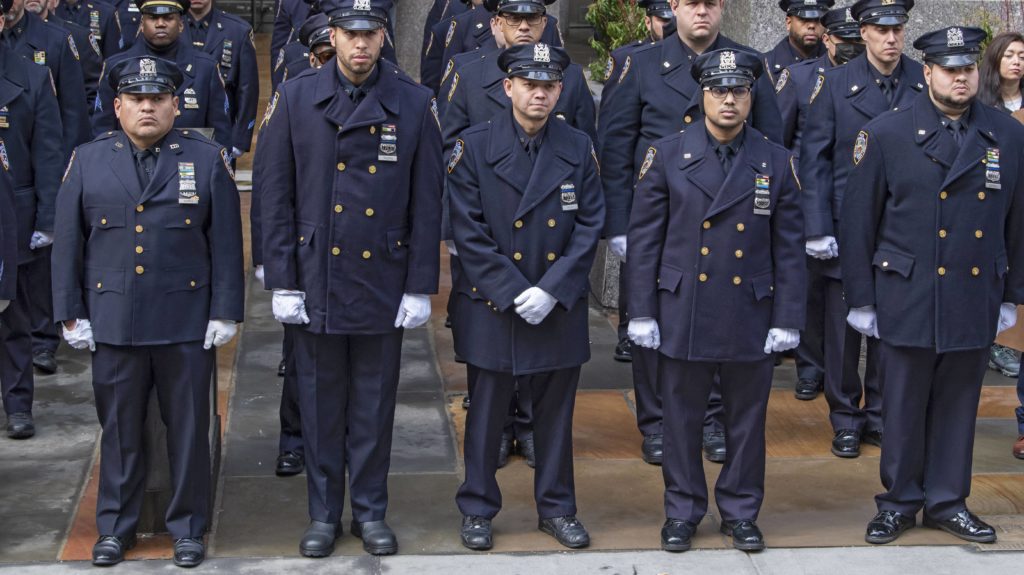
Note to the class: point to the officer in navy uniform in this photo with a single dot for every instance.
(842, 101)
(89, 51)
(98, 17)
(229, 40)
(130, 17)
(656, 96)
(527, 212)
(932, 234)
(315, 39)
(341, 275)
(149, 214)
(202, 96)
(288, 18)
(717, 285)
(803, 38)
(8, 233)
(440, 11)
(31, 132)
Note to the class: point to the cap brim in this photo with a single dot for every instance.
(808, 13)
(161, 10)
(147, 88)
(954, 60)
(728, 80)
(357, 24)
(320, 38)
(521, 8)
(888, 20)
(846, 33)
(534, 74)
(663, 13)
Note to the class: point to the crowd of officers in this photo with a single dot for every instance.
(725, 180)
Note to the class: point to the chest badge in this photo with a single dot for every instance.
(191, 101)
(187, 183)
(225, 55)
(992, 175)
(387, 150)
(762, 195)
(39, 57)
(569, 202)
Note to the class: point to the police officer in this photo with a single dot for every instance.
(312, 50)
(90, 54)
(440, 10)
(8, 233)
(527, 211)
(842, 101)
(716, 274)
(31, 131)
(202, 98)
(342, 275)
(932, 231)
(149, 214)
(229, 40)
(288, 18)
(803, 38)
(100, 18)
(130, 17)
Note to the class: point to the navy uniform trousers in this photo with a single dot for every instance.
(289, 411)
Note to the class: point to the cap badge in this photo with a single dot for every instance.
(954, 38)
(728, 61)
(888, 2)
(541, 53)
(361, 5)
(849, 15)
(147, 67)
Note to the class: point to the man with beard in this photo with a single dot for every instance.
(803, 38)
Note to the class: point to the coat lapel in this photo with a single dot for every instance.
(512, 168)
(699, 163)
(739, 183)
(382, 99)
(861, 90)
(122, 165)
(929, 134)
(980, 136)
(493, 82)
(553, 167)
(675, 67)
(166, 166)
(329, 93)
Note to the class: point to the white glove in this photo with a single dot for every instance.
(236, 153)
(617, 244)
(258, 272)
(781, 339)
(450, 244)
(822, 247)
(219, 332)
(864, 319)
(289, 306)
(644, 332)
(414, 311)
(81, 336)
(534, 304)
(40, 240)
(1007, 317)
(3, 304)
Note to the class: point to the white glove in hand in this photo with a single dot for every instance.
(781, 339)
(450, 244)
(1007, 317)
(289, 306)
(219, 332)
(258, 272)
(864, 319)
(81, 336)
(644, 332)
(822, 247)
(534, 304)
(40, 240)
(617, 244)
(413, 312)
(3, 304)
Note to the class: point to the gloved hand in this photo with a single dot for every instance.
(258, 272)
(413, 312)
(534, 304)
(450, 244)
(617, 244)
(3, 304)
(864, 319)
(644, 332)
(289, 306)
(80, 336)
(219, 332)
(1007, 317)
(822, 247)
(40, 240)
(781, 339)
(236, 153)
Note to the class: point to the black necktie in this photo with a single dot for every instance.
(887, 91)
(531, 150)
(357, 95)
(8, 36)
(146, 161)
(956, 128)
(725, 157)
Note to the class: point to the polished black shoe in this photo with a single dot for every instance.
(45, 361)
(566, 530)
(110, 550)
(282, 368)
(676, 535)
(873, 437)
(448, 321)
(745, 535)
(964, 525)
(886, 526)
(465, 402)
(807, 389)
(289, 463)
(714, 447)
(20, 425)
(624, 350)
(378, 538)
(318, 540)
(651, 449)
(504, 450)
(846, 443)
(189, 552)
(528, 450)
(476, 533)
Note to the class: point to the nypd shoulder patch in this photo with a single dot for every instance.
(817, 87)
(455, 84)
(860, 148)
(433, 110)
(625, 68)
(648, 160)
(783, 79)
(67, 170)
(597, 163)
(609, 68)
(456, 155)
(227, 162)
(95, 45)
(451, 32)
(448, 69)
(270, 110)
(7, 162)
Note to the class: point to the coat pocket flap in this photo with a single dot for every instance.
(1002, 265)
(105, 217)
(763, 286)
(103, 280)
(890, 260)
(305, 231)
(669, 278)
(186, 279)
(398, 238)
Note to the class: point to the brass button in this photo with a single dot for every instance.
(942, 233)
(474, 290)
(138, 229)
(341, 166)
(885, 264)
(740, 227)
(338, 209)
(188, 221)
(369, 212)
(687, 119)
(739, 254)
(703, 277)
(943, 195)
(373, 129)
(551, 256)
(140, 270)
(99, 285)
(103, 221)
(139, 208)
(192, 283)
(704, 251)
(707, 225)
(942, 271)
(552, 223)
(981, 195)
(335, 251)
(398, 243)
(518, 224)
(366, 254)
(372, 169)
(517, 256)
(302, 239)
(737, 280)
(138, 249)
(975, 272)
(979, 234)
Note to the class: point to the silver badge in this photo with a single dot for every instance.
(147, 67)
(728, 61)
(954, 38)
(849, 16)
(361, 5)
(541, 53)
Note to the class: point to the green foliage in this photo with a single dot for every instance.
(616, 23)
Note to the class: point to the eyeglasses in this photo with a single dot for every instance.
(324, 56)
(720, 92)
(515, 20)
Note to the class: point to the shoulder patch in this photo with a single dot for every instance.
(227, 162)
(451, 32)
(456, 155)
(792, 168)
(448, 69)
(593, 154)
(625, 68)
(817, 87)
(74, 48)
(430, 44)
(67, 170)
(455, 83)
(433, 110)
(95, 45)
(860, 148)
(648, 160)
(783, 78)
(270, 110)
(6, 162)
(280, 59)
(609, 68)
(252, 39)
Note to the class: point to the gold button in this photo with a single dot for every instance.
(703, 277)
(981, 195)
(474, 290)
(103, 221)
(942, 271)
(552, 223)
(138, 249)
(302, 239)
(369, 212)
(739, 254)
(517, 256)
(138, 229)
(942, 233)
(335, 251)
(737, 280)
(366, 254)
(338, 209)
(188, 222)
(139, 208)
(341, 166)
(99, 285)
(140, 270)
(192, 283)
(975, 272)
(373, 129)
(398, 243)
(551, 256)
(943, 195)
(979, 234)
(704, 251)
(885, 264)
(518, 224)
(740, 227)
(687, 119)
(707, 225)
(372, 169)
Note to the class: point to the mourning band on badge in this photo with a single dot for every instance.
(187, 193)
(387, 150)
(568, 197)
(762, 195)
(992, 174)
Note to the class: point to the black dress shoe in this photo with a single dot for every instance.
(189, 551)
(807, 389)
(624, 350)
(886, 526)
(873, 437)
(528, 450)
(652, 449)
(110, 550)
(289, 463)
(282, 368)
(45, 361)
(20, 426)
(476, 533)
(714, 447)
(566, 530)
(846, 443)
(964, 525)
(318, 540)
(448, 321)
(378, 538)
(504, 449)
(676, 535)
(465, 402)
(745, 534)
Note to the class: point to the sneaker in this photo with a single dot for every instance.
(1004, 359)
